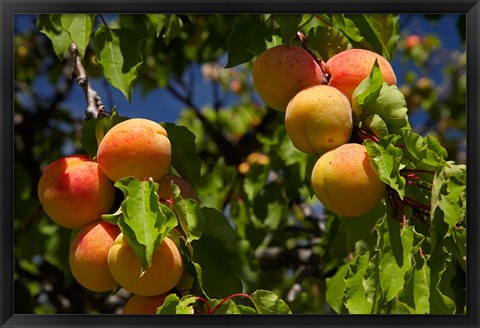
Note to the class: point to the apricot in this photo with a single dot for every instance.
(345, 182)
(165, 190)
(163, 274)
(74, 191)
(318, 119)
(136, 147)
(88, 256)
(143, 304)
(254, 158)
(350, 67)
(281, 71)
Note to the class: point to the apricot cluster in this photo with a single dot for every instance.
(75, 191)
(317, 101)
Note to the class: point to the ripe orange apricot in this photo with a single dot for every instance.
(88, 256)
(281, 71)
(345, 182)
(350, 67)
(74, 191)
(163, 274)
(143, 304)
(136, 147)
(319, 118)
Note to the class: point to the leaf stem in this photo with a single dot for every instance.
(206, 303)
(229, 298)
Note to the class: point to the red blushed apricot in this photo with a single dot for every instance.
(74, 191)
(88, 256)
(350, 67)
(136, 147)
(282, 71)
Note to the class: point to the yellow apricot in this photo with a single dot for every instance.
(318, 119)
(136, 147)
(88, 256)
(74, 191)
(281, 71)
(163, 274)
(350, 67)
(345, 182)
(143, 304)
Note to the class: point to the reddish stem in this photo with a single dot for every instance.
(206, 303)
(412, 176)
(413, 183)
(364, 135)
(322, 20)
(229, 298)
(417, 171)
(410, 202)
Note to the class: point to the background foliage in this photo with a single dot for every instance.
(285, 241)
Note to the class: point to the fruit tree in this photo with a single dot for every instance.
(318, 178)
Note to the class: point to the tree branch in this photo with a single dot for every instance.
(95, 107)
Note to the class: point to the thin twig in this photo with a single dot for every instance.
(95, 107)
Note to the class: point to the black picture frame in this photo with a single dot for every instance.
(8, 8)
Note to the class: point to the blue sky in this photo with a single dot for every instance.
(148, 105)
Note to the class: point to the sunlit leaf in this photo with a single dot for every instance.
(145, 222)
(117, 52)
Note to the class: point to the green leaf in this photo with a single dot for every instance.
(416, 292)
(395, 248)
(385, 159)
(335, 293)
(51, 26)
(218, 267)
(185, 159)
(360, 228)
(118, 53)
(327, 41)
(424, 151)
(217, 225)
(230, 307)
(439, 302)
(380, 31)
(145, 221)
(377, 125)
(347, 27)
(271, 207)
(189, 215)
(212, 185)
(174, 305)
(172, 28)
(79, 27)
(113, 217)
(158, 21)
(373, 96)
(448, 201)
(289, 24)
(246, 41)
(266, 302)
(255, 181)
(88, 138)
(361, 285)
